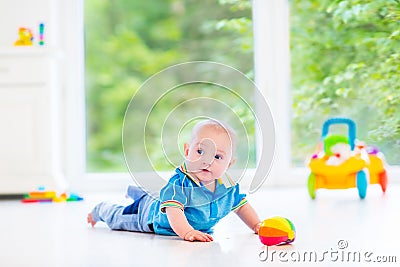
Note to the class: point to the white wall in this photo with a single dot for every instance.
(28, 14)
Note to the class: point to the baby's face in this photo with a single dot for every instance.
(209, 154)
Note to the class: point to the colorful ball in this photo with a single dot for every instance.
(276, 230)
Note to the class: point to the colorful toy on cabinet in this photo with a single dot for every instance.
(277, 231)
(344, 162)
(25, 37)
(41, 34)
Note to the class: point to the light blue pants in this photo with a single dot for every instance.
(130, 218)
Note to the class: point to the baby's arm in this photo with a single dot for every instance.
(249, 217)
(182, 228)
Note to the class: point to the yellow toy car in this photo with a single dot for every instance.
(340, 163)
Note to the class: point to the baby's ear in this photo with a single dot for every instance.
(233, 160)
(186, 149)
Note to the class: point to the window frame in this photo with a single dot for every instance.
(272, 76)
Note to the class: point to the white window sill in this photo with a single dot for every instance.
(118, 182)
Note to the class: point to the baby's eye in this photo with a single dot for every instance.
(200, 151)
(218, 156)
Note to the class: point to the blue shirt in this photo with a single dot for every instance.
(203, 208)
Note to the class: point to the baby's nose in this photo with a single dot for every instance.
(207, 159)
(209, 154)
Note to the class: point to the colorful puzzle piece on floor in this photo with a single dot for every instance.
(42, 196)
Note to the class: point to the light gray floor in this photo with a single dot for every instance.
(56, 234)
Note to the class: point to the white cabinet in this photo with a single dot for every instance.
(29, 121)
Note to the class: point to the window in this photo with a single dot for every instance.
(344, 62)
(278, 72)
(287, 46)
(128, 41)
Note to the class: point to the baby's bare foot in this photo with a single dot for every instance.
(90, 219)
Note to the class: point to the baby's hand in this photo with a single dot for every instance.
(194, 235)
(256, 228)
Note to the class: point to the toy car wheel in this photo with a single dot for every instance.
(311, 185)
(362, 183)
(383, 180)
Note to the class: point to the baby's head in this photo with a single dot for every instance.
(211, 150)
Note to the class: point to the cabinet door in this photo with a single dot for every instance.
(27, 133)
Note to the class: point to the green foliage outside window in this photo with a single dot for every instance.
(345, 61)
(127, 41)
